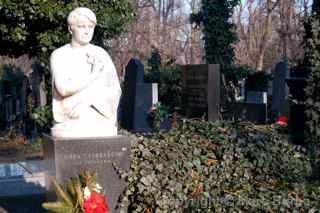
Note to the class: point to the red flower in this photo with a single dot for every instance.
(282, 120)
(96, 203)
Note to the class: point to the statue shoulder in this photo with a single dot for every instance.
(100, 51)
(61, 51)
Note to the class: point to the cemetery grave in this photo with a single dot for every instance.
(261, 169)
(205, 148)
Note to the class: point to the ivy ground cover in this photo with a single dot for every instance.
(220, 167)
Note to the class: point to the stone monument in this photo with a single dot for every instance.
(280, 91)
(201, 91)
(86, 89)
(138, 98)
(86, 94)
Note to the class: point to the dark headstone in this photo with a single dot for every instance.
(38, 86)
(68, 157)
(23, 97)
(201, 90)
(8, 110)
(134, 74)
(147, 95)
(297, 116)
(137, 99)
(256, 97)
(279, 89)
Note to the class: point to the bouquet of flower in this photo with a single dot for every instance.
(282, 124)
(156, 115)
(82, 195)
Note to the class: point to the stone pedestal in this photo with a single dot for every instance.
(66, 158)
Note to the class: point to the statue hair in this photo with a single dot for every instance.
(81, 11)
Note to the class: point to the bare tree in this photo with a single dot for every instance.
(269, 30)
(164, 24)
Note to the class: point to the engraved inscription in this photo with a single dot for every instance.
(91, 158)
(196, 90)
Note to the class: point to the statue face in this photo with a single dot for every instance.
(82, 31)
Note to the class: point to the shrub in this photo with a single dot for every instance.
(258, 81)
(313, 80)
(218, 31)
(156, 115)
(42, 117)
(37, 27)
(169, 85)
(218, 167)
(10, 73)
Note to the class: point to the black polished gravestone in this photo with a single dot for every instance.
(134, 74)
(201, 90)
(137, 99)
(66, 158)
(280, 90)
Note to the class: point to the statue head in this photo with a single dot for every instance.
(81, 24)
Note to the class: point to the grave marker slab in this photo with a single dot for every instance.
(201, 90)
(280, 89)
(256, 97)
(138, 97)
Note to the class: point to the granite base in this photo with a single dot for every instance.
(66, 158)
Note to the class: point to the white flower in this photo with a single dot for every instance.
(90, 59)
(98, 188)
(86, 193)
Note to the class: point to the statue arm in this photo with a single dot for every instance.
(84, 97)
(65, 84)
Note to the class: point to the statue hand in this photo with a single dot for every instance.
(76, 111)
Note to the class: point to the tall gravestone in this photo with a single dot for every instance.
(138, 97)
(134, 74)
(201, 90)
(35, 85)
(280, 90)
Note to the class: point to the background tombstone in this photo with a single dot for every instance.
(254, 109)
(256, 97)
(138, 97)
(280, 90)
(8, 110)
(38, 87)
(42, 93)
(133, 75)
(23, 97)
(201, 90)
(253, 112)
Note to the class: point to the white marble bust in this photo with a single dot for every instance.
(85, 84)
